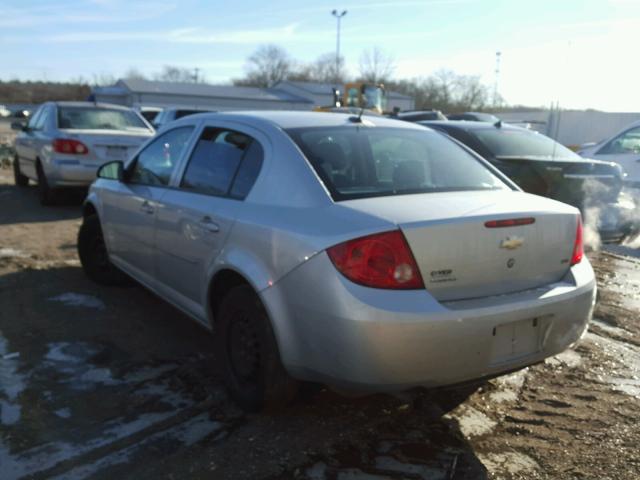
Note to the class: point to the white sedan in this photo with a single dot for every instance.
(64, 143)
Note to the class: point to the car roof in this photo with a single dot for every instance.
(298, 119)
(90, 104)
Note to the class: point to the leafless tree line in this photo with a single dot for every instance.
(444, 90)
(270, 64)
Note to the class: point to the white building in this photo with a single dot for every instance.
(284, 96)
(135, 92)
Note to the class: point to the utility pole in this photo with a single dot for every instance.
(338, 17)
(196, 72)
(495, 86)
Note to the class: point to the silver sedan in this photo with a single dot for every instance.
(368, 254)
(64, 143)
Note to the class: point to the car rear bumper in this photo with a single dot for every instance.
(71, 173)
(336, 332)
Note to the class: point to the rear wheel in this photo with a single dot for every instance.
(249, 354)
(94, 256)
(46, 194)
(18, 177)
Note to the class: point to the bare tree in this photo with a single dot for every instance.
(376, 66)
(445, 90)
(134, 74)
(172, 73)
(267, 66)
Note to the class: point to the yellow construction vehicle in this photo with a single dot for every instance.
(358, 95)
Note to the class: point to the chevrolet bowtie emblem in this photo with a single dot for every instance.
(511, 243)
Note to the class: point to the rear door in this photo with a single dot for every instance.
(196, 218)
(132, 210)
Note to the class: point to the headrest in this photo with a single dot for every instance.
(408, 175)
(331, 153)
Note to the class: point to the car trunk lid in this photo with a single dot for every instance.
(581, 183)
(105, 146)
(460, 257)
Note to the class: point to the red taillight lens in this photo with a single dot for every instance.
(383, 260)
(578, 246)
(69, 146)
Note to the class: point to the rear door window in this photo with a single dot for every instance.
(95, 118)
(223, 163)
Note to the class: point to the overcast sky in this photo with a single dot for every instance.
(581, 53)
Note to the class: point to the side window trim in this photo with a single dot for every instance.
(131, 165)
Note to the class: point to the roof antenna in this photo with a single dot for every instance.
(358, 119)
(498, 124)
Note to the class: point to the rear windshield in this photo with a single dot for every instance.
(98, 119)
(361, 162)
(505, 142)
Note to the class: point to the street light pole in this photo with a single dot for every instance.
(338, 18)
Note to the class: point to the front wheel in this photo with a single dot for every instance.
(94, 256)
(246, 345)
(19, 178)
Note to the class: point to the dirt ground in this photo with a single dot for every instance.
(109, 383)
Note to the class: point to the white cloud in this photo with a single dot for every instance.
(59, 14)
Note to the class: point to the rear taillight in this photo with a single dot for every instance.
(578, 246)
(383, 260)
(69, 146)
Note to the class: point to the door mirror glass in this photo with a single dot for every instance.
(111, 171)
(21, 127)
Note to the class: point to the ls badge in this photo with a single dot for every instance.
(511, 243)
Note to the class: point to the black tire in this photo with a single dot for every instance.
(93, 254)
(19, 179)
(248, 352)
(46, 194)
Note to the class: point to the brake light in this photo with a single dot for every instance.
(578, 246)
(383, 260)
(69, 146)
(512, 222)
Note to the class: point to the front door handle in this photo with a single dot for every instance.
(209, 225)
(146, 207)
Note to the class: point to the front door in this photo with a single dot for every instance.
(132, 216)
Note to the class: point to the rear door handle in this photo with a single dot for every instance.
(209, 225)
(146, 207)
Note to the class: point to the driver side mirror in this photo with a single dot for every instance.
(112, 171)
(21, 127)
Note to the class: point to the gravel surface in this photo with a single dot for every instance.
(109, 383)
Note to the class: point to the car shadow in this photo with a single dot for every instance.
(21, 205)
(112, 382)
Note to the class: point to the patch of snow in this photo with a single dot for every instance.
(71, 299)
(9, 413)
(63, 413)
(508, 462)
(6, 252)
(472, 422)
